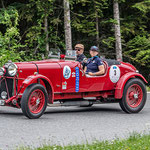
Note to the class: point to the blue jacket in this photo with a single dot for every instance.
(93, 64)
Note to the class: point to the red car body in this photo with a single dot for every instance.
(64, 80)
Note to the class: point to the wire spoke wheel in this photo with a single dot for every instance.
(34, 101)
(134, 96)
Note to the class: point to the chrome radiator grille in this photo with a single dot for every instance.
(6, 85)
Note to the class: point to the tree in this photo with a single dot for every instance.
(117, 30)
(41, 23)
(86, 22)
(67, 25)
(10, 37)
(46, 33)
(137, 48)
(97, 30)
(2, 4)
(41, 31)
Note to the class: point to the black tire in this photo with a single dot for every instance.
(139, 97)
(34, 101)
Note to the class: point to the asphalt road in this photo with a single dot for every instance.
(70, 125)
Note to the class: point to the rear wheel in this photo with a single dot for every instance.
(134, 96)
(34, 101)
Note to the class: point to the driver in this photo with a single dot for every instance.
(94, 65)
(79, 51)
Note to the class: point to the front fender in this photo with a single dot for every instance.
(31, 79)
(122, 82)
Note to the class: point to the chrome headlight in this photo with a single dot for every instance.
(2, 71)
(137, 71)
(12, 69)
(4, 95)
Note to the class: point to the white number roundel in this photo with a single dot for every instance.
(114, 73)
(66, 72)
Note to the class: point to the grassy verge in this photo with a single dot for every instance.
(148, 89)
(134, 142)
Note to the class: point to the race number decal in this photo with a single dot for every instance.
(114, 73)
(66, 72)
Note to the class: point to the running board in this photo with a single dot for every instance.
(71, 103)
(76, 103)
(89, 98)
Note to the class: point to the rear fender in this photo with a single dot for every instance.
(48, 84)
(122, 82)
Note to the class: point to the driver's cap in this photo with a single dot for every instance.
(94, 48)
(79, 46)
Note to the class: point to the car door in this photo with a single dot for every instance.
(70, 76)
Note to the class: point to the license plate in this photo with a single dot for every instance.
(2, 102)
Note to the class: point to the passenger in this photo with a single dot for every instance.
(94, 65)
(79, 51)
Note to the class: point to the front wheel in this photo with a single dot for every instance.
(34, 101)
(134, 96)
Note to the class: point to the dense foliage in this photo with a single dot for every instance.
(22, 28)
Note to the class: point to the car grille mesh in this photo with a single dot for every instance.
(7, 86)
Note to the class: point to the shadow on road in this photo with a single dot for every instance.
(10, 113)
(63, 110)
(83, 110)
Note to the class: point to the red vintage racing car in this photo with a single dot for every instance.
(33, 85)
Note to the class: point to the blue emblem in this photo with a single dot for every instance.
(114, 67)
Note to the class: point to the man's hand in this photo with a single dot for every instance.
(85, 60)
(91, 74)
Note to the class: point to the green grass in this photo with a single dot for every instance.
(148, 89)
(134, 142)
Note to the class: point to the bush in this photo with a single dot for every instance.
(10, 36)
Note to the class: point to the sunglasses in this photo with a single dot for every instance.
(77, 49)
